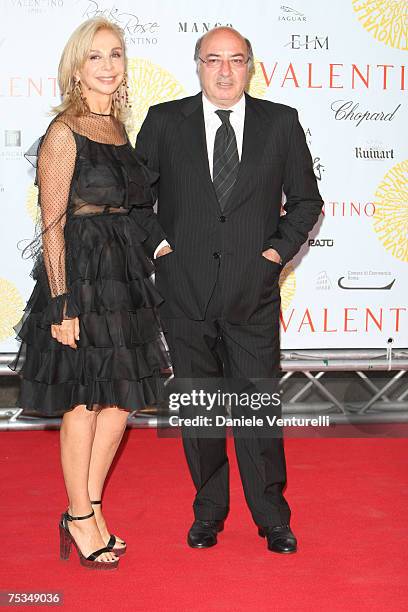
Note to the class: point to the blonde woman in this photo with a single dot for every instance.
(90, 337)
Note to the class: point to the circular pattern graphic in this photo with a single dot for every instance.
(32, 203)
(386, 20)
(11, 307)
(287, 284)
(148, 84)
(257, 84)
(391, 211)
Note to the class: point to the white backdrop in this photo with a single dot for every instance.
(341, 64)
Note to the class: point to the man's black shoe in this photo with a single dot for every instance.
(280, 538)
(203, 534)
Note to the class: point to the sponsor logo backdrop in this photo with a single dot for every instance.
(342, 65)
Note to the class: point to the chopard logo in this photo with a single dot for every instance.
(131, 24)
(348, 110)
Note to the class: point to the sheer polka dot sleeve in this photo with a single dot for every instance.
(56, 164)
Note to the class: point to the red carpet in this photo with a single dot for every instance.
(349, 500)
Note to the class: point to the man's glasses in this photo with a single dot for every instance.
(215, 62)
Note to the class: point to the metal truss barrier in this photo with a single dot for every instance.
(363, 397)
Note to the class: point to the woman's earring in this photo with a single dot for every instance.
(122, 95)
(78, 95)
(76, 89)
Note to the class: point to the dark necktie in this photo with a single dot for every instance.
(226, 160)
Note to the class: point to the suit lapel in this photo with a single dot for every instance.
(252, 149)
(194, 139)
(192, 130)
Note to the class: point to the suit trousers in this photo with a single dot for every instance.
(215, 348)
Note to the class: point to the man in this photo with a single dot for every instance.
(224, 159)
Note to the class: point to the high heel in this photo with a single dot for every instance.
(66, 541)
(113, 539)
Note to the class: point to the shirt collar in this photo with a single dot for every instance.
(209, 108)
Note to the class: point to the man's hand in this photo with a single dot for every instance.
(67, 332)
(164, 251)
(272, 255)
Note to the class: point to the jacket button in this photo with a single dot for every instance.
(222, 219)
(216, 255)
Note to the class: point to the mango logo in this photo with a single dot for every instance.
(385, 20)
(391, 211)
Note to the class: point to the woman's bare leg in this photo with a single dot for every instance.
(77, 436)
(110, 427)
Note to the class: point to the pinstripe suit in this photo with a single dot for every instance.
(221, 308)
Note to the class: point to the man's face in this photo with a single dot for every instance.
(224, 72)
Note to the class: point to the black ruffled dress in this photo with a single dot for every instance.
(92, 261)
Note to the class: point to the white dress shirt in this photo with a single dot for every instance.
(212, 122)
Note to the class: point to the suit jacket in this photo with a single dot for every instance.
(211, 246)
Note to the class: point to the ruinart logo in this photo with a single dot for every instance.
(376, 152)
(385, 20)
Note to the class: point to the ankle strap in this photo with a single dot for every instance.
(78, 518)
(96, 503)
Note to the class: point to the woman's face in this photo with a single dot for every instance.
(104, 67)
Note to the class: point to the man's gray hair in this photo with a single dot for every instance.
(197, 51)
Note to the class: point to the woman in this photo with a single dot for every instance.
(91, 340)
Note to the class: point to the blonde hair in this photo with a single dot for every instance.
(74, 56)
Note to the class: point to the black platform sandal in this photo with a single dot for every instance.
(66, 541)
(113, 539)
